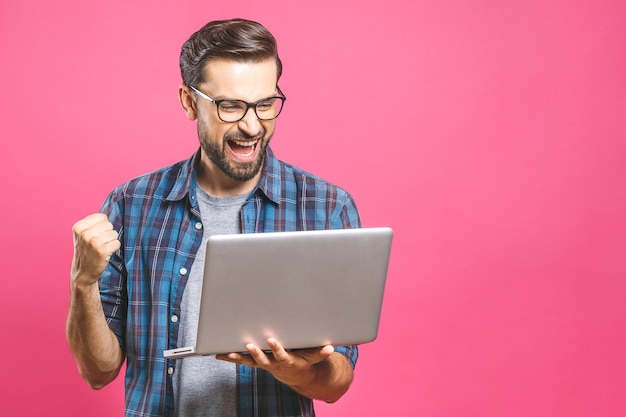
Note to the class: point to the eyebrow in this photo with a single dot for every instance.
(222, 97)
(225, 97)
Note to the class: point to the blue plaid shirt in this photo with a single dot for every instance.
(158, 218)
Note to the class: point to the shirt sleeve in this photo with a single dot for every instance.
(351, 353)
(349, 218)
(112, 283)
(346, 215)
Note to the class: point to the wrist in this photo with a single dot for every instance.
(80, 284)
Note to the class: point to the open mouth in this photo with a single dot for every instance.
(244, 149)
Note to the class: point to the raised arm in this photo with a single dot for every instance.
(98, 354)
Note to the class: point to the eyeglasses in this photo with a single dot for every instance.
(232, 111)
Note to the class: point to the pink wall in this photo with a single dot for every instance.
(489, 134)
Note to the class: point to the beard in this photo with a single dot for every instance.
(218, 154)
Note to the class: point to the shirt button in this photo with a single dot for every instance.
(174, 318)
(170, 370)
(199, 225)
(183, 271)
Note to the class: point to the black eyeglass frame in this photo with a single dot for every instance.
(217, 103)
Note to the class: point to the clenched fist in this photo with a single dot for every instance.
(94, 243)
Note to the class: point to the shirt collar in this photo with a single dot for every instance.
(185, 183)
(269, 183)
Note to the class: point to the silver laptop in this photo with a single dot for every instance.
(305, 289)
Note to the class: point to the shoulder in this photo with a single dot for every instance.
(316, 200)
(303, 177)
(283, 178)
(170, 182)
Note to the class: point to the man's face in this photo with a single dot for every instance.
(236, 149)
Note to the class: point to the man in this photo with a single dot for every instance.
(137, 266)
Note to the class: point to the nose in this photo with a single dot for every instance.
(250, 123)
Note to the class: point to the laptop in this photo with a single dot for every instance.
(304, 288)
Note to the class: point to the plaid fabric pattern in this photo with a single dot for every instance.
(158, 219)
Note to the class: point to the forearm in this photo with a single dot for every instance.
(96, 349)
(329, 379)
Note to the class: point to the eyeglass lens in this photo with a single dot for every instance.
(234, 110)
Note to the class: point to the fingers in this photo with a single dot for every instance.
(259, 357)
(280, 354)
(292, 367)
(246, 359)
(256, 358)
(278, 358)
(89, 221)
(310, 356)
(95, 241)
(230, 357)
(327, 350)
(96, 231)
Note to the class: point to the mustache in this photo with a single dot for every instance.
(239, 135)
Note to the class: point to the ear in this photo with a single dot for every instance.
(187, 101)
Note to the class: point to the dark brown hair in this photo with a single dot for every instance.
(237, 39)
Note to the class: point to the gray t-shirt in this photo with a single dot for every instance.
(204, 386)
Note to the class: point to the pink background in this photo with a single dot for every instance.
(489, 134)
